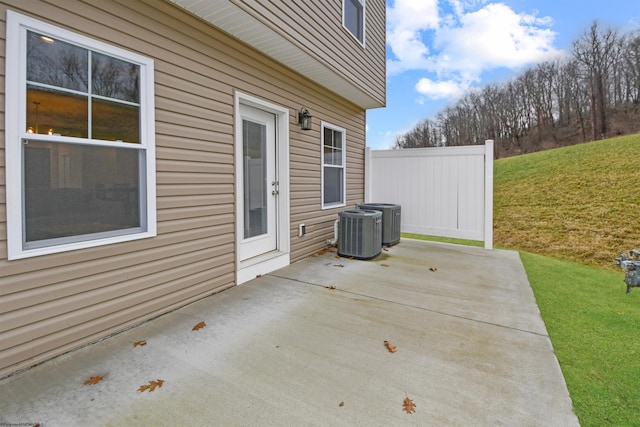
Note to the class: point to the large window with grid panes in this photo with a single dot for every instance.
(80, 141)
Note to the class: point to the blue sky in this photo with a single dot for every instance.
(439, 49)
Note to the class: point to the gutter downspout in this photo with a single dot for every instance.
(335, 234)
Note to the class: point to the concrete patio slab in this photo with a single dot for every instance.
(287, 350)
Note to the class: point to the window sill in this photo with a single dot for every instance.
(19, 253)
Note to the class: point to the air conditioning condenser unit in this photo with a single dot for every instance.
(360, 233)
(391, 216)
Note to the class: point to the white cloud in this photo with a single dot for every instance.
(456, 47)
(460, 6)
(494, 36)
(441, 89)
(406, 21)
(413, 15)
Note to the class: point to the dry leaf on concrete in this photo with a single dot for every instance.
(390, 347)
(323, 251)
(151, 386)
(94, 380)
(140, 343)
(199, 326)
(408, 406)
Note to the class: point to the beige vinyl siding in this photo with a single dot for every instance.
(315, 28)
(312, 24)
(54, 303)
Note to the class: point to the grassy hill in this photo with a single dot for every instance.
(579, 203)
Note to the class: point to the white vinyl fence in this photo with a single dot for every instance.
(444, 191)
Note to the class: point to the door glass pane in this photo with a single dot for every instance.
(254, 141)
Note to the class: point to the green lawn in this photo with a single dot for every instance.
(594, 327)
(443, 239)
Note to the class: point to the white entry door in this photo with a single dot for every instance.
(259, 186)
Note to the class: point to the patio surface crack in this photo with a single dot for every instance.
(430, 310)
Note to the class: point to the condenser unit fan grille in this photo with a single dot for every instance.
(360, 233)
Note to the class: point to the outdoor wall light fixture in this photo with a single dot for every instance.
(304, 119)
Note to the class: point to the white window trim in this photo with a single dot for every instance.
(15, 116)
(364, 22)
(324, 125)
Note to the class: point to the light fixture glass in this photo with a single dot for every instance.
(304, 119)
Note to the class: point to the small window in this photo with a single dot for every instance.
(333, 166)
(353, 18)
(80, 141)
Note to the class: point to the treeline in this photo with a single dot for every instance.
(592, 94)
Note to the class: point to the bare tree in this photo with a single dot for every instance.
(596, 51)
(594, 92)
(632, 69)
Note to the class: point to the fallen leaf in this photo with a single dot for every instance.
(433, 269)
(199, 326)
(323, 251)
(330, 287)
(338, 265)
(408, 406)
(338, 256)
(341, 404)
(392, 348)
(385, 249)
(151, 386)
(154, 384)
(258, 276)
(94, 380)
(384, 265)
(140, 343)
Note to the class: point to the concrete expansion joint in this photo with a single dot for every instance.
(430, 310)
